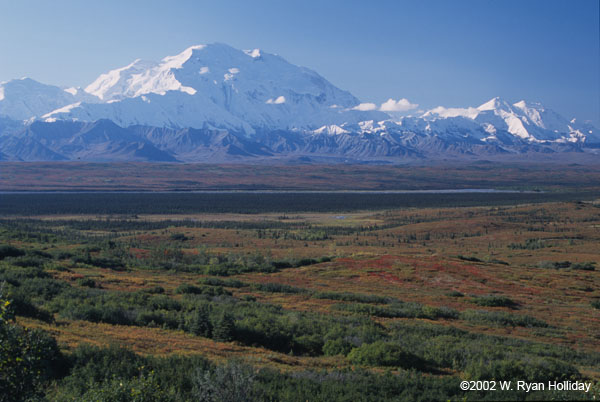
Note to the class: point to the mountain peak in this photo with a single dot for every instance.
(529, 106)
(22, 82)
(111, 84)
(494, 104)
(148, 77)
(25, 98)
(179, 60)
(521, 104)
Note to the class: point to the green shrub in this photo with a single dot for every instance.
(41, 288)
(531, 370)
(101, 262)
(144, 388)
(156, 319)
(494, 301)
(584, 266)
(400, 310)
(10, 251)
(28, 261)
(306, 261)
(94, 371)
(87, 282)
(469, 258)
(440, 312)
(155, 290)
(353, 297)
(308, 344)
(63, 255)
(232, 382)
(228, 283)
(9, 273)
(107, 313)
(338, 346)
(23, 306)
(186, 288)
(217, 270)
(179, 237)
(278, 288)
(40, 253)
(530, 244)
(384, 354)
(29, 359)
(281, 264)
(502, 318)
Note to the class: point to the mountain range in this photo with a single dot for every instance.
(214, 103)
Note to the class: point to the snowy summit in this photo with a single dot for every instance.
(219, 86)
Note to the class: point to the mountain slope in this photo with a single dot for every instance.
(408, 140)
(27, 149)
(102, 140)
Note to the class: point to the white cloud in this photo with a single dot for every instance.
(391, 105)
(277, 101)
(204, 70)
(400, 105)
(441, 111)
(365, 107)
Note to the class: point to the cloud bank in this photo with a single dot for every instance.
(400, 105)
(391, 105)
(365, 107)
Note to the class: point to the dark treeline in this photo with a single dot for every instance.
(180, 203)
(265, 228)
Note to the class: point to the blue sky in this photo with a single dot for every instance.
(452, 53)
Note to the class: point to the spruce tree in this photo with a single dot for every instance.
(201, 324)
(224, 330)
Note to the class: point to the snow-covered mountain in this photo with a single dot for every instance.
(24, 98)
(216, 103)
(529, 122)
(220, 87)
